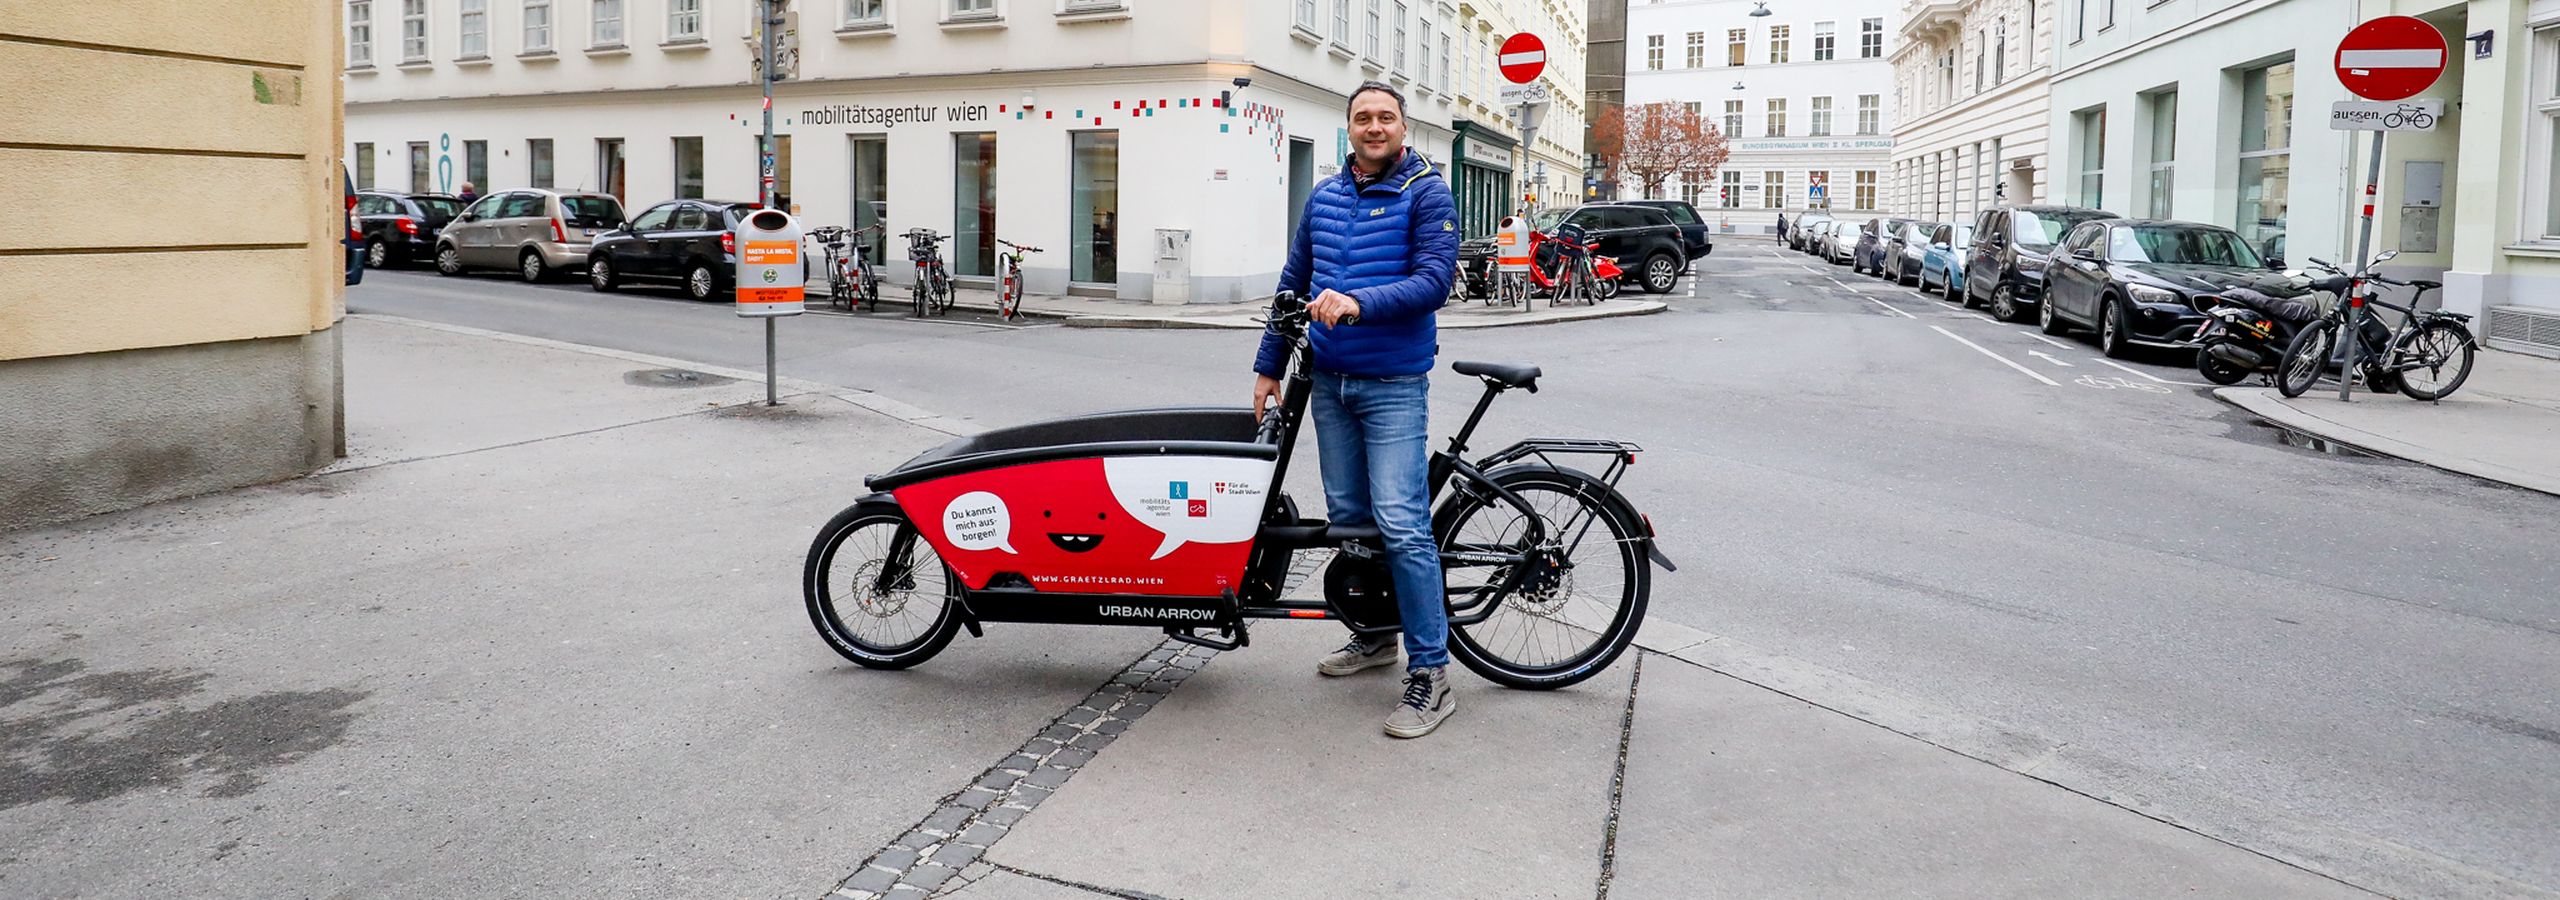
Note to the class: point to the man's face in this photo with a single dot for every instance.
(1377, 130)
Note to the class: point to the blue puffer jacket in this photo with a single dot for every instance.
(1394, 248)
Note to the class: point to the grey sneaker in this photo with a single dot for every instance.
(1427, 703)
(1359, 656)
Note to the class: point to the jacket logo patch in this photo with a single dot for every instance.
(1380, 211)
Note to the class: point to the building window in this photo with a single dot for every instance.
(688, 168)
(1307, 14)
(973, 204)
(1779, 39)
(1443, 82)
(360, 33)
(1694, 108)
(2164, 152)
(1401, 13)
(2544, 139)
(1870, 113)
(609, 167)
(364, 167)
(1823, 42)
(684, 21)
(606, 23)
(475, 164)
(537, 155)
(973, 9)
(537, 26)
(1981, 60)
(418, 183)
(2000, 52)
(1821, 117)
(1870, 38)
(1737, 43)
(1866, 195)
(1733, 118)
(2111, 15)
(1778, 117)
(1731, 198)
(871, 189)
(475, 29)
(1773, 190)
(413, 31)
(2266, 154)
(1422, 54)
(1374, 25)
(2092, 134)
(1093, 227)
(1653, 52)
(2080, 21)
(1697, 49)
(1342, 22)
(861, 13)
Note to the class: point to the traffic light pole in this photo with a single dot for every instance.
(772, 20)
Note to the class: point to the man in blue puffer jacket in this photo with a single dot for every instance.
(1377, 249)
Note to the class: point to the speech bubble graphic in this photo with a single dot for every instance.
(1208, 499)
(979, 521)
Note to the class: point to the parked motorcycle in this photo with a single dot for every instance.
(2245, 330)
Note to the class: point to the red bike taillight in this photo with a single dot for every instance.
(559, 232)
(729, 242)
(409, 226)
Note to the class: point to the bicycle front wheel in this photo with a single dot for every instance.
(1583, 586)
(2306, 358)
(876, 590)
(2433, 360)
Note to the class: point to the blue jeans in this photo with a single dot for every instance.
(1372, 435)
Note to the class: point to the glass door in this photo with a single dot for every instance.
(973, 204)
(871, 190)
(1093, 229)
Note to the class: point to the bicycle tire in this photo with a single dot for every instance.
(818, 589)
(1593, 504)
(2305, 358)
(2460, 358)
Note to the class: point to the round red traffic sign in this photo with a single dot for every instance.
(1523, 57)
(2391, 58)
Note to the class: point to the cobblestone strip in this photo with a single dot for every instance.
(943, 852)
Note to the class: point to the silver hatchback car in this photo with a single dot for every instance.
(533, 232)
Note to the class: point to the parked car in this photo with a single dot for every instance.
(2134, 280)
(1697, 240)
(1839, 241)
(1644, 241)
(1903, 253)
(1873, 242)
(401, 228)
(2011, 248)
(692, 243)
(354, 237)
(1800, 234)
(1950, 249)
(534, 232)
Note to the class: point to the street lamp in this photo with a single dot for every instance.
(1762, 11)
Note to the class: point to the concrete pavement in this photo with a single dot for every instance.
(542, 636)
(2502, 425)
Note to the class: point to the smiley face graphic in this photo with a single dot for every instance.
(1074, 542)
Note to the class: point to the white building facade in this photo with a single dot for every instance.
(1970, 81)
(1109, 132)
(1804, 95)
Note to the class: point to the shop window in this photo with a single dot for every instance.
(1094, 223)
(973, 204)
(2164, 152)
(2266, 155)
(2089, 128)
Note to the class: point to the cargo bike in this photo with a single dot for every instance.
(1174, 518)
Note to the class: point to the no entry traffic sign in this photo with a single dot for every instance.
(1523, 57)
(2391, 58)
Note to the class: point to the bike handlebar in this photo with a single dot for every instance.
(1021, 247)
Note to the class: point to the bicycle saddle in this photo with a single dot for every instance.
(1505, 374)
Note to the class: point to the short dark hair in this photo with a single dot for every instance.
(1367, 86)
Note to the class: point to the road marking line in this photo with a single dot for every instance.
(2044, 339)
(2047, 357)
(2134, 371)
(2031, 373)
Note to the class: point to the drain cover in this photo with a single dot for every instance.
(673, 378)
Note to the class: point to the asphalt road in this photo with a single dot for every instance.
(2084, 569)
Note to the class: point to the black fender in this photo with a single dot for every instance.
(1607, 494)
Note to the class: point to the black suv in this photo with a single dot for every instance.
(1697, 239)
(2012, 245)
(1644, 241)
(401, 228)
(690, 242)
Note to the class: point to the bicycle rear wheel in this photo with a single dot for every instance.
(2437, 357)
(2306, 358)
(1584, 590)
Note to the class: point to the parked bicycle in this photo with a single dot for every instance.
(1009, 294)
(2427, 357)
(933, 280)
(851, 279)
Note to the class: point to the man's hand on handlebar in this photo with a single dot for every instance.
(1265, 390)
(1334, 308)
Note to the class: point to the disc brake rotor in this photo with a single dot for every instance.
(873, 599)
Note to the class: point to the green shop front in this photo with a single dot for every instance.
(1480, 177)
